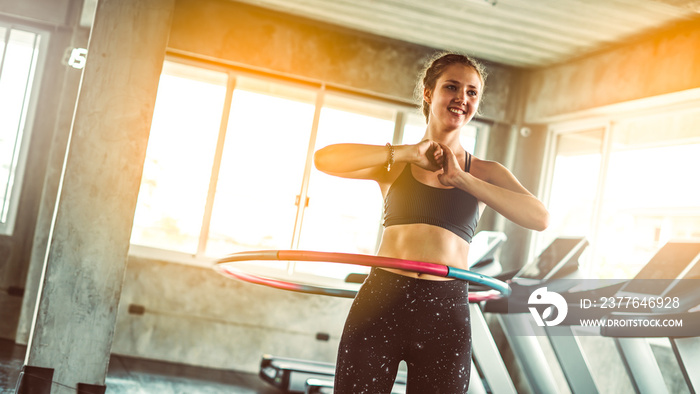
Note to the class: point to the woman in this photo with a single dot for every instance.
(434, 192)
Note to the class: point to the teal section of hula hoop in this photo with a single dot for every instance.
(474, 277)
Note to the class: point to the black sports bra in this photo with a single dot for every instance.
(410, 201)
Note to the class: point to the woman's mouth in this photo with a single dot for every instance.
(457, 111)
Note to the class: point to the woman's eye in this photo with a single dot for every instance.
(451, 87)
(472, 93)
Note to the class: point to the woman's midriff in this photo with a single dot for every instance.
(423, 242)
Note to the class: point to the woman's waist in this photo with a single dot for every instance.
(424, 243)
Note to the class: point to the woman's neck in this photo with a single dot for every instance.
(448, 137)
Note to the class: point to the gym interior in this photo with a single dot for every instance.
(141, 141)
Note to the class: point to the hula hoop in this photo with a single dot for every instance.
(227, 267)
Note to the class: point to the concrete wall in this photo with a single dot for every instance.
(193, 315)
(660, 63)
(256, 38)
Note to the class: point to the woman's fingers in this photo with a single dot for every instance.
(439, 155)
(449, 156)
(432, 155)
(450, 166)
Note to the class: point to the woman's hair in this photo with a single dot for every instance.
(434, 68)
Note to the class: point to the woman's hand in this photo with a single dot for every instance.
(451, 169)
(430, 155)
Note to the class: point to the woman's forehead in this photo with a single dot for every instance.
(462, 74)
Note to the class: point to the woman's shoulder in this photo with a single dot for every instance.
(487, 170)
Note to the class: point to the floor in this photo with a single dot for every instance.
(139, 376)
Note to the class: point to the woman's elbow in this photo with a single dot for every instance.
(541, 221)
(321, 159)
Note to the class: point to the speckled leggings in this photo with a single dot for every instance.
(394, 318)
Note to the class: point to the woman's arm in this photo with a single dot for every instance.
(369, 161)
(500, 191)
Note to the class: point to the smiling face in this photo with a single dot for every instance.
(455, 97)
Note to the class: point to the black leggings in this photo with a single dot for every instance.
(394, 318)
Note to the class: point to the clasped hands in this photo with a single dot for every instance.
(434, 156)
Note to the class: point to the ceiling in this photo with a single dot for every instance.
(522, 33)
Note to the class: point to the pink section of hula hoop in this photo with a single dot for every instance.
(279, 284)
(373, 261)
(250, 256)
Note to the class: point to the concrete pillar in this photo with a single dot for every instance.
(69, 87)
(85, 264)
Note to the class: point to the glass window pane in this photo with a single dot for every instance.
(651, 193)
(344, 215)
(413, 129)
(179, 159)
(262, 167)
(574, 184)
(17, 67)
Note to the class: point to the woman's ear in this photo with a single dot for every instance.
(426, 95)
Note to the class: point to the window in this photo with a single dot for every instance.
(20, 50)
(629, 186)
(577, 165)
(344, 215)
(652, 190)
(180, 157)
(262, 167)
(229, 168)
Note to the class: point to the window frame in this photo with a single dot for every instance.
(7, 227)
(609, 119)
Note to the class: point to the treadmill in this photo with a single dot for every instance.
(487, 363)
(669, 265)
(291, 375)
(556, 263)
(685, 343)
(304, 376)
(679, 264)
